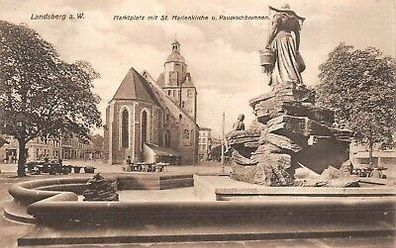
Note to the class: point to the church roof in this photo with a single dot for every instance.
(135, 87)
(189, 84)
(147, 76)
(161, 80)
(175, 56)
(167, 102)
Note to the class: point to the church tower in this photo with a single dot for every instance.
(154, 120)
(177, 83)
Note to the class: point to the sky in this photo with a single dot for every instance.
(222, 56)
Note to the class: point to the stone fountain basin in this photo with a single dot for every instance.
(226, 189)
(57, 199)
(224, 210)
(67, 190)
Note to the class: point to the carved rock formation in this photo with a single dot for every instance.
(293, 131)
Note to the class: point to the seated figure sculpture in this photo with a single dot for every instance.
(239, 125)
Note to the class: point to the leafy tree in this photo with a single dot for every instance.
(41, 95)
(97, 141)
(359, 85)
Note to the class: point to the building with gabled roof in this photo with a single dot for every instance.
(145, 114)
(134, 87)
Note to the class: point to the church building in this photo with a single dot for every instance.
(154, 120)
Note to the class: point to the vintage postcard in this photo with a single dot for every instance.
(175, 123)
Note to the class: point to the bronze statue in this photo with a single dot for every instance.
(239, 125)
(290, 132)
(281, 59)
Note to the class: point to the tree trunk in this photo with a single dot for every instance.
(21, 158)
(370, 154)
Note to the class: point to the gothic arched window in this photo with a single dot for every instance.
(167, 138)
(192, 137)
(144, 127)
(125, 129)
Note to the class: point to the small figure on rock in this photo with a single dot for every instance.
(239, 125)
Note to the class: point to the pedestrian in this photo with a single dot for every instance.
(129, 160)
(129, 164)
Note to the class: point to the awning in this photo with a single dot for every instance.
(163, 151)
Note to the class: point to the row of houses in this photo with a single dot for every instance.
(74, 148)
(68, 147)
(359, 156)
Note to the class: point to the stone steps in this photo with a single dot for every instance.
(197, 233)
(17, 212)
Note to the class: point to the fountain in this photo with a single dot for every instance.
(293, 144)
(291, 132)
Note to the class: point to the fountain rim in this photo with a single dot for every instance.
(45, 204)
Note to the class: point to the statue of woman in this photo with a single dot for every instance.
(284, 42)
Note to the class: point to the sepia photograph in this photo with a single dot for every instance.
(176, 123)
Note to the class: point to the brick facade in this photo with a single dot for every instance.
(153, 115)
